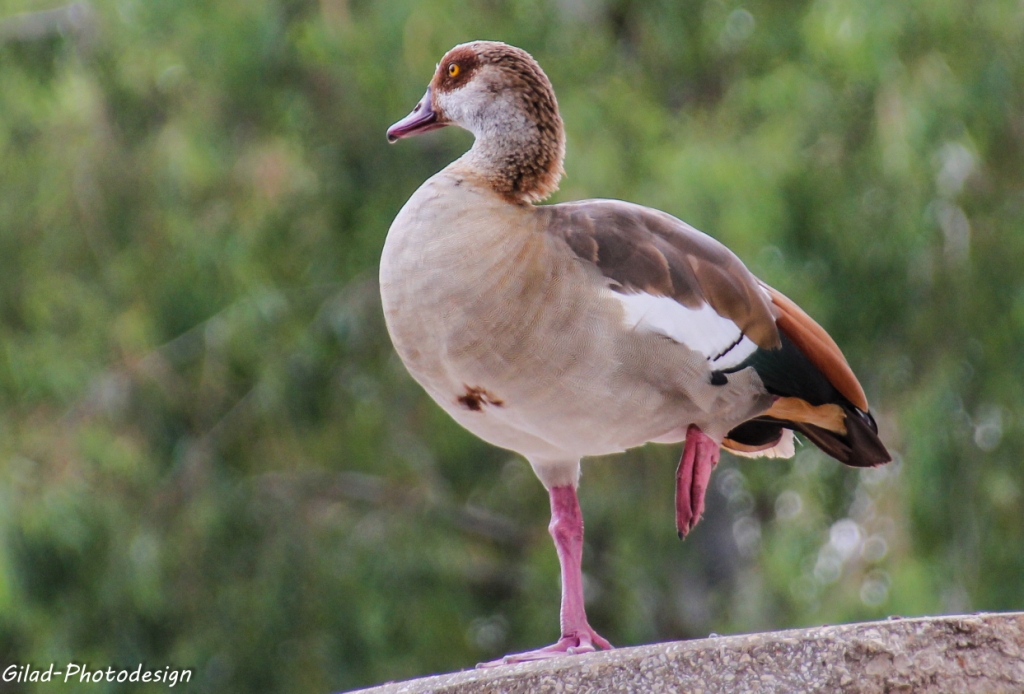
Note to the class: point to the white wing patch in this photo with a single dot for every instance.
(703, 330)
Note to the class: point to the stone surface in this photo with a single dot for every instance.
(968, 653)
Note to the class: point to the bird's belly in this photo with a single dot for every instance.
(563, 382)
(584, 410)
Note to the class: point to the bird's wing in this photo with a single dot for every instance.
(670, 278)
(681, 283)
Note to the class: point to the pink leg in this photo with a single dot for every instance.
(577, 636)
(700, 456)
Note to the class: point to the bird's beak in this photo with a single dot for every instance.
(422, 119)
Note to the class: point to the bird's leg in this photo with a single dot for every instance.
(567, 530)
(700, 456)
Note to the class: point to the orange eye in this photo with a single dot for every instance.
(454, 70)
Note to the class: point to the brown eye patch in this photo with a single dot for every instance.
(455, 69)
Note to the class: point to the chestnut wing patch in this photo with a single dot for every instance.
(819, 347)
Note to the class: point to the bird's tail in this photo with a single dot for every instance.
(816, 393)
(842, 430)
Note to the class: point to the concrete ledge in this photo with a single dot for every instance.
(969, 653)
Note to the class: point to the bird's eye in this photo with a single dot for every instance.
(454, 70)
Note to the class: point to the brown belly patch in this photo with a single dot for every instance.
(475, 398)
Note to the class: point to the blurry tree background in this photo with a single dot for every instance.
(210, 456)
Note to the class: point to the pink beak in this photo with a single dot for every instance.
(422, 119)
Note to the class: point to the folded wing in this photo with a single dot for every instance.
(676, 281)
(670, 278)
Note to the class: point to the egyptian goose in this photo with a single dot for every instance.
(586, 328)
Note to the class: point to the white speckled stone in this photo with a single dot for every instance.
(965, 654)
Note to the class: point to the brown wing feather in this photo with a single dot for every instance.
(641, 249)
(819, 348)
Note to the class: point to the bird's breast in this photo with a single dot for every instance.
(472, 291)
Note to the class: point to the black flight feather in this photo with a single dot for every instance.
(787, 372)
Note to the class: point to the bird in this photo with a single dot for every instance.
(586, 328)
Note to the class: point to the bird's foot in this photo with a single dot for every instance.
(584, 640)
(700, 456)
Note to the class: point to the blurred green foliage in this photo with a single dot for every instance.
(211, 458)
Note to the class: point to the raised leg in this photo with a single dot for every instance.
(700, 456)
(577, 636)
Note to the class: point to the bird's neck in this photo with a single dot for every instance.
(520, 159)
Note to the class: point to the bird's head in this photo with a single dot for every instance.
(500, 94)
